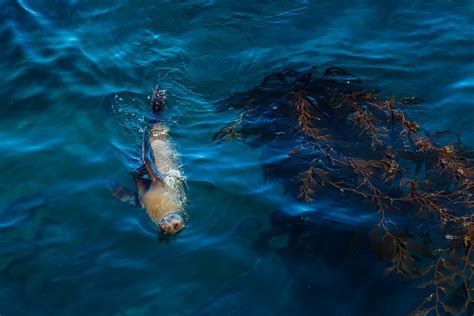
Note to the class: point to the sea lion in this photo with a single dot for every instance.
(159, 180)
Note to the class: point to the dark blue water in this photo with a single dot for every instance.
(74, 82)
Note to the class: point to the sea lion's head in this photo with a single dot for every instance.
(172, 223)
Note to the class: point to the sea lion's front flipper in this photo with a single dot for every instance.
(123, 194)
(147, 158)
(142, 184)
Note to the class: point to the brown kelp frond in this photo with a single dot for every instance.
(312, 178)
(449, 279)
(336, 135)
(307, 187)
(390, 168)
(231, 131)
(306, 111)
(365, 121)
(396, 250)
(228, 132)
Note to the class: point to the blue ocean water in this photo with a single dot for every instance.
(75, 77)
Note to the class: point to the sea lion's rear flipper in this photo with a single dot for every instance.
(148, 159)
(123, 194)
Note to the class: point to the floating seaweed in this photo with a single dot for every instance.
(337, 135)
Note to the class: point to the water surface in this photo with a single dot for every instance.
(74, 87)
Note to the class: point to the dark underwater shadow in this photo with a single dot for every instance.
(326, 136)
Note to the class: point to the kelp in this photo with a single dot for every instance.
(335, 135)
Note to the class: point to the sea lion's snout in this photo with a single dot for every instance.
(171, 224)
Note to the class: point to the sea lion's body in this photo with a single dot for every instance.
(159, 181)
(165, 194)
